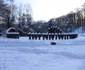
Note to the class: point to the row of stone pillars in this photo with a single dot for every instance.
(52, 37)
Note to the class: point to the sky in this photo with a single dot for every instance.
(47, 9)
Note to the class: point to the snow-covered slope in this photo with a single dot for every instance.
(79, 30)
(24, 54)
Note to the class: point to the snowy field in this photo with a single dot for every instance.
(24, 54)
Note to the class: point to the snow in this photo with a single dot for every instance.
(79, 30)
(25, 54)
(13, 33)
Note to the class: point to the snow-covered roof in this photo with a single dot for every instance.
(7, 31)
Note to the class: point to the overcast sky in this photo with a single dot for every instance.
(47, 9)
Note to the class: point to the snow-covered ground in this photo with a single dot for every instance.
(24, 54)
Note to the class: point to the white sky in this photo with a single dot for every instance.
(47, 9)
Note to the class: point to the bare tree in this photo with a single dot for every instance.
(83, 12)
(28, 13)
(24, 17)
(7, 12)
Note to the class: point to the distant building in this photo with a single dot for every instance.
(12, 33)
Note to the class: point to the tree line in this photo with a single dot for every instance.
(71, 21)
(20, 16)
(67, 23)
